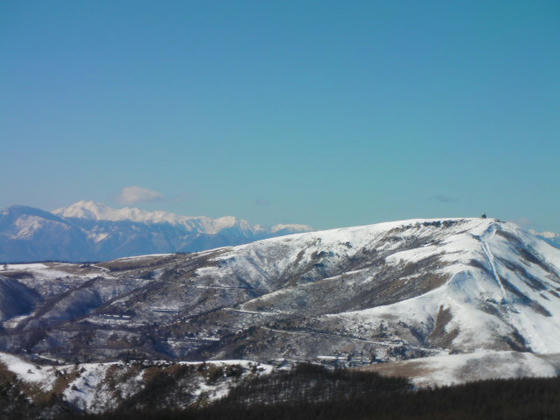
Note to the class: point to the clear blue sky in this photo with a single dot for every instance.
(328, 113)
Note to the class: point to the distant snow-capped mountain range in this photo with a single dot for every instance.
(89, 231)
(550, 237)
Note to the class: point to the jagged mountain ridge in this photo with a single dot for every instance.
(88, 231)
(383, 292)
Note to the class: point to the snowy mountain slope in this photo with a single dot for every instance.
(501, 292)
(445, 370)
(99, 387)
(383, 292)
(88, 231)
(31, 234)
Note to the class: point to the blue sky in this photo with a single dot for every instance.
(327, 113)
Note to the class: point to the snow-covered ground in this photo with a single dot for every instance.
(43, 376)
(92, 390)
(40, 270)
(456, 369)
(480, 306)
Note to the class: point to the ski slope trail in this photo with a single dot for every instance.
(486, 236)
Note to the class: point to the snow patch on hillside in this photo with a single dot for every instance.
(446, 370)
(28, 372)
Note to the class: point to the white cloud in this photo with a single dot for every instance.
(135, 194)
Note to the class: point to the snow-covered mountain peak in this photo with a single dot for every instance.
(85, 209)
(495, 281)
(90, 231)
(97, 211)
(91, 210)
(551, 237)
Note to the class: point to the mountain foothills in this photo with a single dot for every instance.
(441, 301)
(88, 231)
